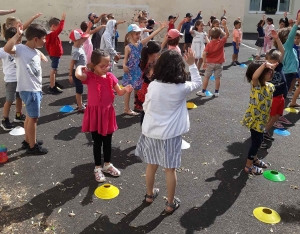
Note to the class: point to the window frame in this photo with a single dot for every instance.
(277, 12)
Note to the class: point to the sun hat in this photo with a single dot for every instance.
(76, 34)
(133, 28)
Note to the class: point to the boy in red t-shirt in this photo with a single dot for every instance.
(213, 58)
(172, 19)
(55, 50)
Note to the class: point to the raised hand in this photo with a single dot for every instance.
(189, 57)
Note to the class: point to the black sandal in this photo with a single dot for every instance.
(155, 194)
(175, 205)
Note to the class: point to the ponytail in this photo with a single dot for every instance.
(127, 39)
(3, 29)
(152, 47)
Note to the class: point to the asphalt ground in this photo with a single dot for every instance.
(37, 193)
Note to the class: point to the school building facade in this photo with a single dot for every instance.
(250, 11)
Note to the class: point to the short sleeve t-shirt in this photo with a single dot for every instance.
(215, 51)
(9, 66)
(237, 33)
(144, 34)
(78, 55)
(29, 71)
(171, 26)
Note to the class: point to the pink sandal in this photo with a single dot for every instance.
(110, 169)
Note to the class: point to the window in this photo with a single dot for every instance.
(262, 5)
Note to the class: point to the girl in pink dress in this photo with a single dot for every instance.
(100, 117)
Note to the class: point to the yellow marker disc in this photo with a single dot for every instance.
(191, 105)
(266, 215)
(291, 110)
(107, 191)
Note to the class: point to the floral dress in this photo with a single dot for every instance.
(134, 76)
(258, 112)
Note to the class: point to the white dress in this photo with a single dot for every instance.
(198, 43)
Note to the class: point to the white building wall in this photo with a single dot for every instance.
(77, 10)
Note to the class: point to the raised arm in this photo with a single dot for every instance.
(28, 22)
(177, 16)
(9, 46)
(154, 33)
(6, 12)
(196, 80)
(225, 27)
(99, 18)
(260, 70)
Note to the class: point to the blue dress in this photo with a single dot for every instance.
(134, 76)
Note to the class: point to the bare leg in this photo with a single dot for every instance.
(200, 63)
(18, 105)
(205, 82)
(6, 109)
(52, 78)
(271, 122)
(126, 101)
(150, 178)
(25, 128)
(171, 180)
(295, 96)
(292, 85)
(218, 81)
(31, 130)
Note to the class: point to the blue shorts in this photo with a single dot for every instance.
(78, 84)
(32, 101)
(235, 50)
(54, 62)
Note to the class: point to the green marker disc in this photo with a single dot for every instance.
(274, 176)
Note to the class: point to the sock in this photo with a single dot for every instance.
(216, 91)
(203, 90)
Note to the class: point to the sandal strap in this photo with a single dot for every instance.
(175, 204)
(155, 194)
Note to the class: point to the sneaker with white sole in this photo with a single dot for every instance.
(278, 125)
(6, 125)
(216, 94)
(99, 176)
(263, 145)
(284, 121)
(201, 94)
(110, 169)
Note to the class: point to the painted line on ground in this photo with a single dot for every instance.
(248, 46)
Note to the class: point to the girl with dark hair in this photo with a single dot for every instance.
(148, 58)
(261, 34)
(166, 119)
(268, 32)
(258, 112)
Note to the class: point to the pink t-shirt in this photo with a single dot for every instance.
(175, 48)
(237, 33)
(88, 49)
(268, 30)
(100, 114)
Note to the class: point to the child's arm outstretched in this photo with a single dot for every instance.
(279, 44)
(177, 16)
(9, 46)
(6, 12)
(260, 70)
(179, 27)
(90, 31)
(80, 72)
(196, 80)
(99, 18)
(154, 33)
(121, 92)
(27, 23)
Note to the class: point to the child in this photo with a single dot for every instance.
(258, 111)
(172, 19)
(149, 56)
(268, 38)
(29, 79)
(166, 119)
(108, 42)
(96, 38)
(116, 39)
(198, 44)
(143, 26)
(172, 40)
(13, 22)
(132, 71)
(78, 58)
(186, 29)
(6, 12)
(100, 117)
(213, 58)
(216, 23)
(284, 22)
(55, 50)
(275, 56)
(260, 40)
(150, 26)
(236, 42)
(140, 14)
(88, 45)
(10, 78)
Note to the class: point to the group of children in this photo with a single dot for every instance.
(158, 79)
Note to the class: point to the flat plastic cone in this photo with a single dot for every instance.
(243, 65)
(266, 215)
(250, 59)
(212, 78)
(17, 131)
(274, 176)
(3, 154)
(66, 109)
(208, 94)
(291, 110)
(191, 105)
(185, 145)
(282, 132)
(107, 191)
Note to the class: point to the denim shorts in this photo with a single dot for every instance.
(32, 101)
(78, 84)
(235, 50)
(54, 62)
(10, 91)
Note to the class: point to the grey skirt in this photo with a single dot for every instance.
(166, 153)
(259, 42)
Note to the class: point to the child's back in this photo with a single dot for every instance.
(53, 42)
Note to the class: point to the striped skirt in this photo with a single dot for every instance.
(166, 153)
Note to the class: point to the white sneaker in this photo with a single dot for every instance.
(289, 95)
(216, 94)
(201, 94)
(99, 176)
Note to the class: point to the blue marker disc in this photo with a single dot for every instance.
(212, 78)
(282, 132)
(243, 65)
(208, 94)
(66, 109)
